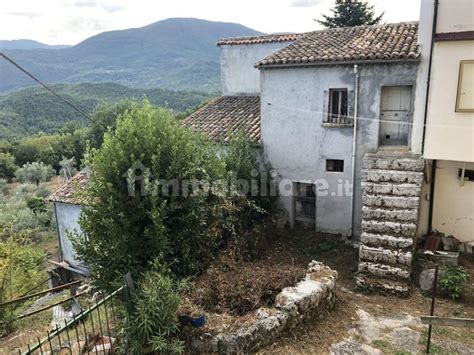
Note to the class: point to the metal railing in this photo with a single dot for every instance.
(90, 331)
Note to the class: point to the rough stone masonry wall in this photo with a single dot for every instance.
(309, 298)
(391, 185)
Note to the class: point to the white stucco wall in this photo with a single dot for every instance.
(455, 16)
(449, 134)
(297, 146)
(67, 219)
(453, 209)
(424, 46)
(238, 74)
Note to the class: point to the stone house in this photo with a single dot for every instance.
(336, 108)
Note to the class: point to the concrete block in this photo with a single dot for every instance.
(401, 202)
(412, 190)
(381, 255)
(386, 241)
(394, 163)
(385, 214)
(381, 270)
(384, 286)
(400, 229)
(395, 176)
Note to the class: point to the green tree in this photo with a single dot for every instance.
(7, 166)
(104, 118)
(34, 172)
(126, 232)
(349, 13)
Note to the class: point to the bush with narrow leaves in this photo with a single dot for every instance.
(151, 324)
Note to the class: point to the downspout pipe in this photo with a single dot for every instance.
(433, 165)
(354, 145)
(428, 80)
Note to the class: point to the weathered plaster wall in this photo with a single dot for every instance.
(238, 74)
(67, 217)
(297, 145)
(453, 210)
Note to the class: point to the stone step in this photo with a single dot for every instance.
(396, 176)
(385, 241)
(389, 214)
(384, 271)
(411, 190)
(385, 256)
(383, 285)
(403, 162)
(401, 229)
(400, 202)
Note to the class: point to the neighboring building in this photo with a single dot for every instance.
(449, 135)
(309, 98)
(67, 203)
(227, 115)
(238, 57)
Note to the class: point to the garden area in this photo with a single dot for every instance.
(210, 271)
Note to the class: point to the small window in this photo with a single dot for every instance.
(468, 175)
(337, 106)
(465, 95)
(335, 165)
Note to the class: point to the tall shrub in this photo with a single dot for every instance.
(127, 233)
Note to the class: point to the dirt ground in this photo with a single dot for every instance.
(317, 336)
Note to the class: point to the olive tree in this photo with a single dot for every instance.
(35, 172)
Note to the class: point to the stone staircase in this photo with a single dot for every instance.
(391, 188)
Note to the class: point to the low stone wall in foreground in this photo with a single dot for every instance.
(310, 298)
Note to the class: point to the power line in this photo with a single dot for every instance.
(53, 92)
(46, 87)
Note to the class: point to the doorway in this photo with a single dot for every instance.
(305, 205)
(395, 116)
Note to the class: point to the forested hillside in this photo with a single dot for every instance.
(33, 110)
(179, 54)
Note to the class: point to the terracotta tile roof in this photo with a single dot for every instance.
(222, 117)
(69, 191)
(364, 43)
(278, 37)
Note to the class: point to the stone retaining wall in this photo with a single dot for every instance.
(310, 298)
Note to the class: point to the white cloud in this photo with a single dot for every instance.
(306, 3)
(71, 21)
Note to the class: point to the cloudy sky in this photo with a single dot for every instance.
(71, 21)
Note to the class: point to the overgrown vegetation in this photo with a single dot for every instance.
(134, 224)
(453, 281)
(151, 325)
(25, 223)
(182, 229)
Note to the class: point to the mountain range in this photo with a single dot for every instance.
(177, 53)
(27, 44)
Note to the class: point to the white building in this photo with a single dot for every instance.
(449, 134)
(67, 207)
